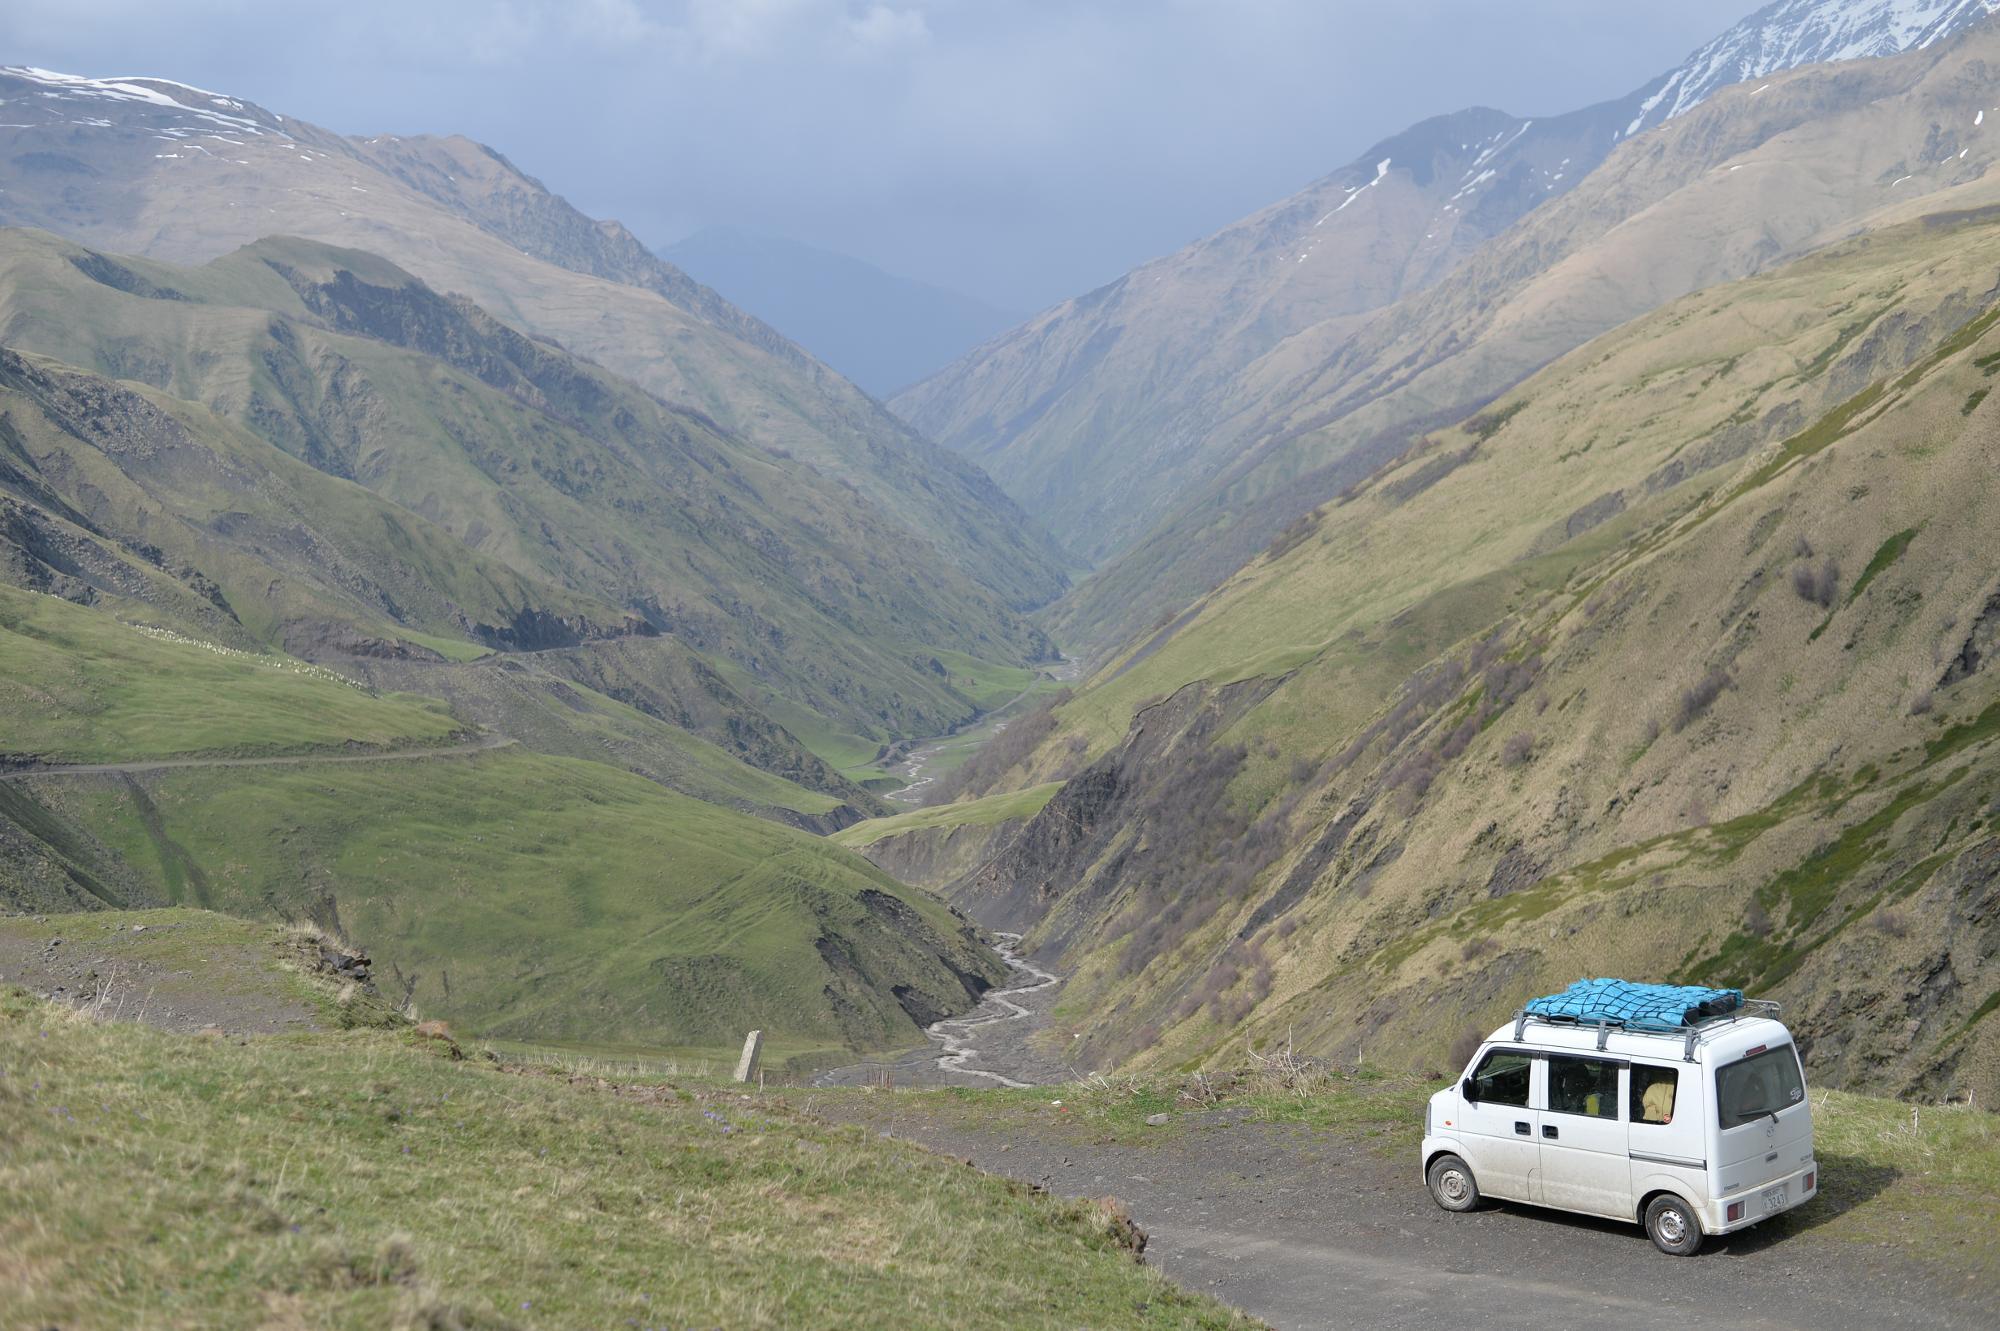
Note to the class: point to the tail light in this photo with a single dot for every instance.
(1812, 1176)
(1735, 1212)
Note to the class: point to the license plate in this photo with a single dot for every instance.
(1774, 1198)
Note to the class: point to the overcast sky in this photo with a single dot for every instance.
(1020, 150)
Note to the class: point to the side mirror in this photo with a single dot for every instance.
(1470, 1090)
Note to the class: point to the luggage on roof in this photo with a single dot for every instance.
(1624, 1003)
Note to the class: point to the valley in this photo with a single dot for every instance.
(465, 682)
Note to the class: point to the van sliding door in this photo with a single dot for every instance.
(1584, 1165)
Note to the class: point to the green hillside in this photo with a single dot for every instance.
(543, 898)
(462, 218)
(521, 894)
(516, 455)
(76, 686)
(356, 1181)
(1675, 663)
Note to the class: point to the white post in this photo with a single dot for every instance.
(753, 1046)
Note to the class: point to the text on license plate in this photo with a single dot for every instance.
(1774, 1198)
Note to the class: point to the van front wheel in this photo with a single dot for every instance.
(1672, 1225)
(1451, 1184)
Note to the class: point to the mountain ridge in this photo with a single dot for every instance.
(124, 167)
(1134, 380)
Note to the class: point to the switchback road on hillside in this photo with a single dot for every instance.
(480, 745)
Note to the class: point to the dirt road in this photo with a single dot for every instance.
(1311, 1230)
(479, 745)
(1314, 1230)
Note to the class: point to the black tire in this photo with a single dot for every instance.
(1451, 1183)
(1673, 1226)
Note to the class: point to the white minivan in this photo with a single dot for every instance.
(1689, 1132)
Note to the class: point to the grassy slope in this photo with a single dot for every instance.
(538, 462)
(1604, 420)
(1010, 806)
(567, 718)
(1734, 429)
(308, 182)
(355, 1181)
(76, 686)
(527, 894)
(531, 896)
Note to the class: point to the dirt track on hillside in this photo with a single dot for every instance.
(480, 745)
(1320, 1230)
(1317, 1230)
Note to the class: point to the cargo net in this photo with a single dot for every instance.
(1637, 1006)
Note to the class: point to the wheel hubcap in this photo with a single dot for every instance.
(1454, 1186)
(1672, 1227)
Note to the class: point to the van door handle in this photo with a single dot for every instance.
(1520, 1127)
(1549, 1130)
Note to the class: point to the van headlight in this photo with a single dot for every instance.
(1427, 1118)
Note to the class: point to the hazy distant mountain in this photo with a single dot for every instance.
(882, 331)
(1758, 174)
(1104, 414)
(149, 166)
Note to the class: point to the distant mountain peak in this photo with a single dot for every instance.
(212, 109)
(1791, 33)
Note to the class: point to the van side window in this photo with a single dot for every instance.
(1502, 1078)
(1654, 1091)
(1586, 1086)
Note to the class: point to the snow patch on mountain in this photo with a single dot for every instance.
(1791, 33)
(212, 109)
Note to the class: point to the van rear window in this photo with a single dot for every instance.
(1761, 1084)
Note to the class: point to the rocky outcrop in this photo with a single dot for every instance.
(1144, 814)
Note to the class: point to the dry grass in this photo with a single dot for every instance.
(357, 1180)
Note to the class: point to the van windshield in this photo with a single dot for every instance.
(1764, 1083)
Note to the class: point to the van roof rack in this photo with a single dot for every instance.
(1688, 1032)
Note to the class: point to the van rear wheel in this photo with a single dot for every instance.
(1451, 1184)
(1672, 1225)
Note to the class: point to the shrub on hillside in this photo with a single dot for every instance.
(1891, 922)
(1819, 585)
(1293, 535)
(1757, 920)
(1465, 1046)
(1519, 747)
(1487, 423)
(1197, 855)
(1696, 700)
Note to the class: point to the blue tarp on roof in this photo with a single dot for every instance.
(1624, 1003)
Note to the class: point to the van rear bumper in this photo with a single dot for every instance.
(1757, 1202)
